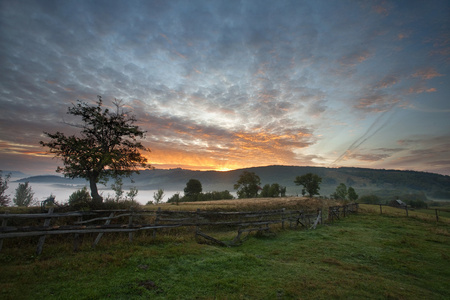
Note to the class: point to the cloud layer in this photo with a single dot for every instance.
(229, 84)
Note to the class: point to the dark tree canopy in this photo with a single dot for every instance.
(352, 195)
(341, 192)
(273, 190)
(193, 187)
(247, 185)
(106, 147)
(310, 183)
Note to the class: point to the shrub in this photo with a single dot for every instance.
(80, 200)
(174, 199)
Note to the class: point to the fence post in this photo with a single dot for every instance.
(436, 210)
(197, 220)
(4, 222)
(41, 242)
(282, 217)
(381, 210)
(406, 208)
(99, 236)
(130, 223)
(76, 238)
(156, 221)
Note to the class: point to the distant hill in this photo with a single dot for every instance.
(384, 183)
(14, 174)
(366, 181)
(52, 179)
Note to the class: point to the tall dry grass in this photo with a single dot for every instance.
(251, 204)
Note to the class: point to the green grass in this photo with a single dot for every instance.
(365, 256)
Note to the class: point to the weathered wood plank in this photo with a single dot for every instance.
(41, 242)
(83, 231)
(210, 238)
(99, 236)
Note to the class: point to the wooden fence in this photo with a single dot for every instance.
(131, 221)
(432, 212)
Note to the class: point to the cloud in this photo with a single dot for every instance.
(428, 153)
(382, 8)
(387, 81)
(223, 81)
(355, 57)
(427, 73)
(377, 102)
(419, 90)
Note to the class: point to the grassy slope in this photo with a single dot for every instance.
(365, 256)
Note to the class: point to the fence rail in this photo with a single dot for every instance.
(130, 221)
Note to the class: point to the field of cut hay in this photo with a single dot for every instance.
(256, 204)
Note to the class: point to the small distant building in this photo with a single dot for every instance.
(398, 203)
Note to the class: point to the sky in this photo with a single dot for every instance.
(222, 85)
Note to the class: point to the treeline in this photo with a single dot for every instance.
(433, 183)
(414, 200)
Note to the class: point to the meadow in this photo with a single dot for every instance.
(363, 256)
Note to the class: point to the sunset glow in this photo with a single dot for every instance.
(222, 85)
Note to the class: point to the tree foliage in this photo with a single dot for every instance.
(193, 188)
(117, 187)
(4, 199)
(174, 199)
(158, 196)
(106, 147)
(247, 185)
(341, 192)
(352, 195)
(310, 182)
(80, 199)
(273, 190)
(24, 195)
(131, 195)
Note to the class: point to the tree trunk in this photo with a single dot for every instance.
(96, 198)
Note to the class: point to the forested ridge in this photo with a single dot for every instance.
(365, 181)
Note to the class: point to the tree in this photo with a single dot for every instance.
(131, 195)
(193, 188)
(341, 192)
(174, 199)
(247, 185)
(265, 191)
(24, 195)
(352, 195)
(117, 188)
(4, 199)
(310, 183)
(107, 145)
(273, 190)
(158, 196)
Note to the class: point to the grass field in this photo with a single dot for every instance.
(365, 256)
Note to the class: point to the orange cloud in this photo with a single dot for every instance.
(386, 82)
(21, 149)
(381, 8)
(376, 103)
(427, 73)
(419, 90)
(355, 58)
